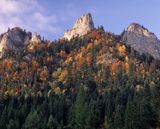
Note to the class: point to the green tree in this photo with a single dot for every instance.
(130, 109)
(13, 124)
(3, 119)
(52, 123)
(119, 117)
(32, 121)
(82, 117)
(106, 123)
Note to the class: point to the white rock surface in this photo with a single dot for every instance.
(82, 26)
(16, 39)
(142, 40)
(35, 40)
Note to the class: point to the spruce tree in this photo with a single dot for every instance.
(32, 121)
(81, 115)
(119, 117)
(52, 123)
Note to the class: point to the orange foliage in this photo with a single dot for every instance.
(44, 74)
(48, 44)
(94, 33)
(88, 58)
(80, 62)
(114, 67)
(62, 40)
(142, 70)
(83, 49)
(90, 46)
(34, 64)
(110, 49)
(15, 75)
(23, 65)
(7, 77)
(152, 67)
(8, 63)
(71, 54)
(62, 53)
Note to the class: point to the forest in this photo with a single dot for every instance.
(91, 82)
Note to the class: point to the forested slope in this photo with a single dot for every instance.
(91, 82)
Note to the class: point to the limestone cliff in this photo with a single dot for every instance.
(82, 26)
(16, 38)
(142, 40)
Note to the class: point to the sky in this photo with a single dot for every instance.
(51, 18)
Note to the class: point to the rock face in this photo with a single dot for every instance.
(82, 26)
(142, 40)
(35, 40)
(16, 39)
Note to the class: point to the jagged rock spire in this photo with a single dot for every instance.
(82, 26)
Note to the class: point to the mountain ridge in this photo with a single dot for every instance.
(136, 35)
(142, 40)
(55, 84)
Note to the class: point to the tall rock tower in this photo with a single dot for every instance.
(82, 26)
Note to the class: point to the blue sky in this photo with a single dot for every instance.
(51, 18)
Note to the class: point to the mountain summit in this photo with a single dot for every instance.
(142, 40)
(82, 26)
(13, 39)
(16, 38)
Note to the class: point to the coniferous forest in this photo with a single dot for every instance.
(90, 82)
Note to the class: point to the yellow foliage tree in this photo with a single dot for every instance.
(121, 49)
(62, 76)
(44, 74)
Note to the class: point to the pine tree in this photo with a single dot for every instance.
(52, 123)
(106, 123)
(81, 111)
(119, 117)
(13, 124)
(129, 114)
(4, 119)
(32, 121)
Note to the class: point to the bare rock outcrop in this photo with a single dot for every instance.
(34, 41)
(142, 40)
(82, 26)
(16, 38)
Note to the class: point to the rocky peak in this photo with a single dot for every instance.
(16, 39)
(142, 40)
(35, 39)
(139, 29)
(82, 26)
(13, 39)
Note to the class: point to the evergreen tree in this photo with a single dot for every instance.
(32, 121)
(81, 111)
(3, 119)
(13, 124)
(119, 117)
(106, 123)
(52, 123)
(130, 109)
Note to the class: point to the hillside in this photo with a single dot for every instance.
(93, 81)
